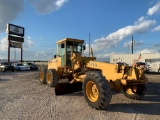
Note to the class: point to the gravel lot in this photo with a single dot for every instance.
(22, 97)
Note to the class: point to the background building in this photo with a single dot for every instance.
(129, 58)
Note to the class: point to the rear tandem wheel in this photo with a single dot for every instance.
(42, 75)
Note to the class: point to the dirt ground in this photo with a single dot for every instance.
(22, 97)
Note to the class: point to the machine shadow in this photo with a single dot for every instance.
(136, 108)
(152, 92)
(152, 98)
(153, 73)
(151, 108)
(66, 88)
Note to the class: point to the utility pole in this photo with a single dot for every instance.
(132, 44)
(89, 44)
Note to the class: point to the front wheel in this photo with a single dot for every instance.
(134, 91)
(96, 91)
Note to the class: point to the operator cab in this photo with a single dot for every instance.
(64, 50)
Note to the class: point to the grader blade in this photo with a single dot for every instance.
(66, 88)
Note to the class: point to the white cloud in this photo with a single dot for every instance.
(28, 43)
(28, 37)
(154, 9)
(104, 57)
(114, 38)
(128, 44)
(3, 44)
(47, 6)
(40, 55)
(153, 49)
(136, 43)
(9, 9)
(147, 51)
(140, 20)
(27, 55)
(142, 25)
(156, 29)
(156, 46)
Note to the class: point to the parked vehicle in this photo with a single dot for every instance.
(152, 67)
(31, 65)
(19, 66)
(148, 68)
(6, 67)
(141, 64)
(155, 66)
(122, 63)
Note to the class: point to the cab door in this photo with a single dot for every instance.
(61, 52)
(68, 55)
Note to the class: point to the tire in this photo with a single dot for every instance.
(13, 70)
(96, 90)
(3, 69)
(51, 78)
(42, 76)
(135, 92)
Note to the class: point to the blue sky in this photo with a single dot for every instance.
(111, 25)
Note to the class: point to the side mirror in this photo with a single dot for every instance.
(84, 47)
(62, 45)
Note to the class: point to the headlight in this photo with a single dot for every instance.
(3, 66)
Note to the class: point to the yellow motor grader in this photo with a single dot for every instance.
(96, 79)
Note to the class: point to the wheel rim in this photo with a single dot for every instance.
(129, 90)
(49, 77)
(41, 75)
(92, 91)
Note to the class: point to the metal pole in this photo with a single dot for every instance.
(8, 51)
(132, 44)
(21, 55)
(89, 44)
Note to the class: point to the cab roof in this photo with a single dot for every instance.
(71, 40)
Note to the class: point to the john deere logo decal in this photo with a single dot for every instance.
(16, 29)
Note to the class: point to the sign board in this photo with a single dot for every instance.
(15, 38)
(15, 44)
(15, 30)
